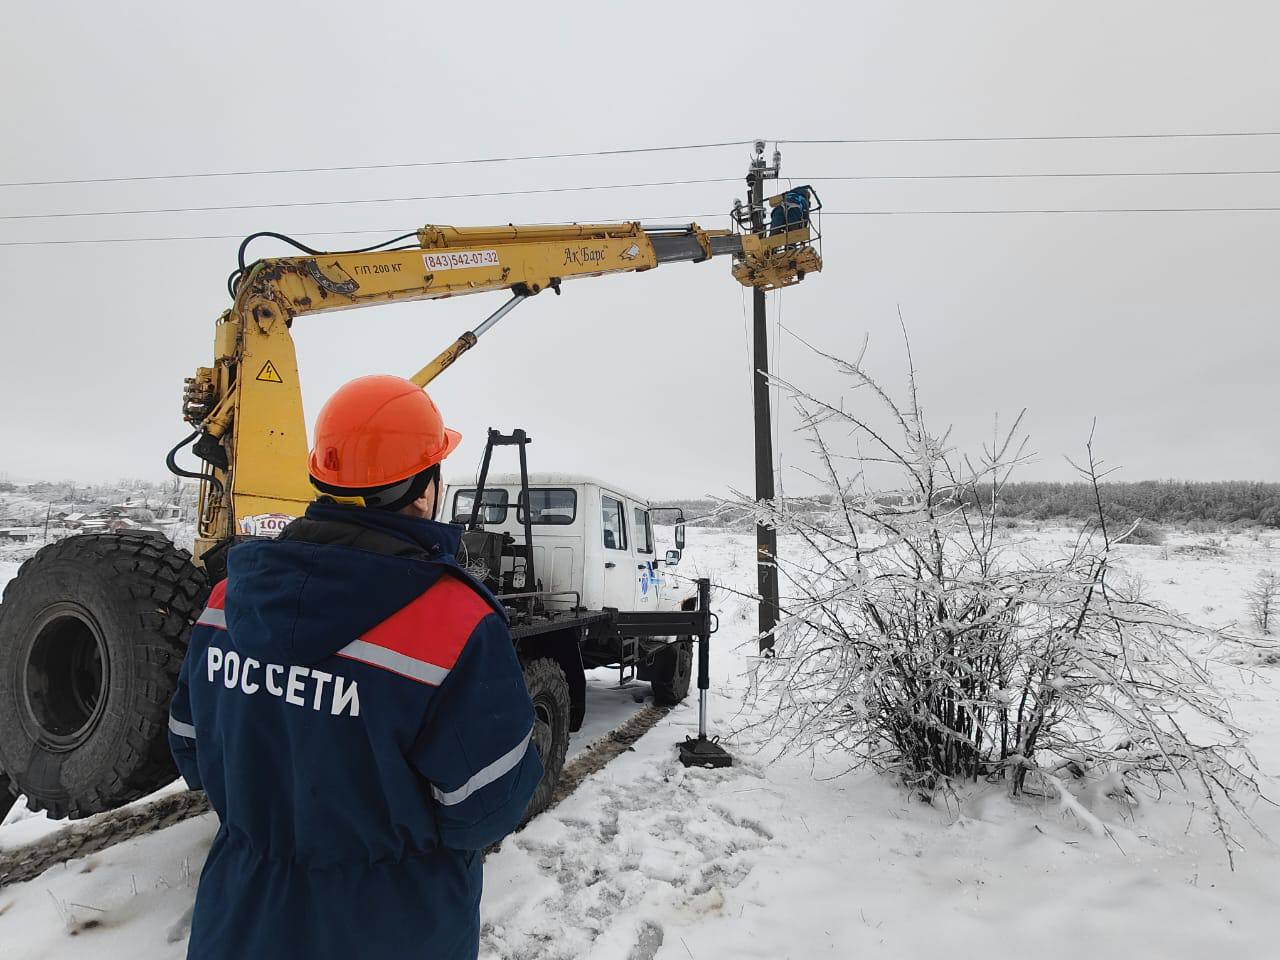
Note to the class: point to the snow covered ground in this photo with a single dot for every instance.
(9, 564)
(789, 858)
(609, 705)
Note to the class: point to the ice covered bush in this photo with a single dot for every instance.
(1264, 600)
(920, 642)
(1144, 533)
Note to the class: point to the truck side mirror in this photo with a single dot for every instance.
(673, 557)
(679, 536)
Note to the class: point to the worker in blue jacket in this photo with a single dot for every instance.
(792, 211)
(352, 704)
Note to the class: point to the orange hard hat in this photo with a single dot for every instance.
(377, 431)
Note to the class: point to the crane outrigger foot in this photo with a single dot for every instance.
(699, 751)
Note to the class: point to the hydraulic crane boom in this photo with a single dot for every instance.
(247, 407)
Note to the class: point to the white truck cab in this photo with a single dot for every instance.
(591, 539)
(585, 584)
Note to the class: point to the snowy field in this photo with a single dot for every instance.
(788, 858)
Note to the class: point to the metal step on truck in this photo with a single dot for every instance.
(576, 563)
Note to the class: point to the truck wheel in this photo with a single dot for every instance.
(7, 797)
(549, 691)
(92, 634)
(672, 670)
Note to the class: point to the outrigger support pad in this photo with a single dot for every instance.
(699, 751)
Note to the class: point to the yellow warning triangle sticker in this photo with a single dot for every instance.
(269, 374)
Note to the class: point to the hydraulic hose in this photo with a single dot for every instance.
(171, 461)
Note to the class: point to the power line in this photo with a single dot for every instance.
(1046, 176)
(1032, 139)
(376, 166)
(337, 203)
(632, 186)
(684, 218)
(894, 213)
(625, 151)
(221, 236)
(676, 218)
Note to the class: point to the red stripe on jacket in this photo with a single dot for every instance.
(436, 626)
(218, 595)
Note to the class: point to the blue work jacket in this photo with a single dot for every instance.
(352, 704)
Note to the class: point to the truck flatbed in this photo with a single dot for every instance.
(523, 626)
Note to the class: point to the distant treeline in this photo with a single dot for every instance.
(1161, 501)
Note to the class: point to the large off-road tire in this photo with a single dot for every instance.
(549, 691)
(671, 673)
(7, 797)
(92, 634)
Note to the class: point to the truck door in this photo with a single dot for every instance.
(619, 560)
(648, 582)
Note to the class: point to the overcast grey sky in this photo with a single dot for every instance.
(1164, 326)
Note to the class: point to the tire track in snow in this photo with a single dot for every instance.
(106, 830)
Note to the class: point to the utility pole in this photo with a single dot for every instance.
(766, 536)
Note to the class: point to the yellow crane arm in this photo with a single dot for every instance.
(248, 406)
(448, 261)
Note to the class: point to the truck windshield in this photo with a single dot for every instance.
(551, 505)
(493, 507)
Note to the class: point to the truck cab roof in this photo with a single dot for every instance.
(544, 480)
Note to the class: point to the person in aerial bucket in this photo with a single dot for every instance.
(791, 213)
